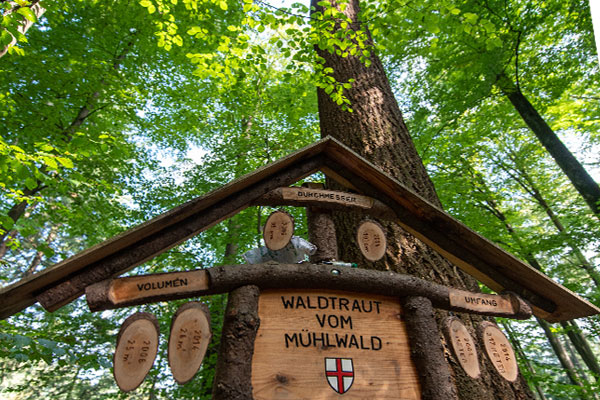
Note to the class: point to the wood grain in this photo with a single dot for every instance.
(278, 230)
(188, 341)
(499, 351)
(285, 366)
(371, 240)
(137, 346)
(462, 345)
(481, 302)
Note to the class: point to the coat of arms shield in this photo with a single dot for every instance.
(339, 373)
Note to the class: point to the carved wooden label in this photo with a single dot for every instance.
(137, 345)
(480, 302)
(463, 346)
(320, 344)
(371, 240)
(188, 341)
(499, 351)
(278, 230)
(327, 196)
(144, 287)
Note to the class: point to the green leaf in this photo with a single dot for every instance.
(31, 183)
(65, 162)
(50, 162)
(27, 13)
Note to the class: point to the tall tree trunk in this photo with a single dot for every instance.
(579, 177)
(376, 130)
(582, 346)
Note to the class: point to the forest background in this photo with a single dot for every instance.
(113, 112)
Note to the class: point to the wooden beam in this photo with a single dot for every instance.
(125, 292)
(74, 285)
(326, 199)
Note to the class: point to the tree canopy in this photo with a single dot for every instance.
(112, 112)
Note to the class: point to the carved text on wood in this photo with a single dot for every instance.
(319, 344)
(463, 346)
(499, 351)
(327, 196)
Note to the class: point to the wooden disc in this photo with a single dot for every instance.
(499, 351)
(463, 346)
(137, 345)
(371, 240)
(278, 230)
(190, 335)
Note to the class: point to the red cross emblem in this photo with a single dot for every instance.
(339, 373)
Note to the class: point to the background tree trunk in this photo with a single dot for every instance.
(579, 177)
(376, 130)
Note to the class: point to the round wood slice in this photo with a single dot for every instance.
(499, 351)
(137, 345)
(371, 240)
(189, 339)
(278, 230)
(463, 346)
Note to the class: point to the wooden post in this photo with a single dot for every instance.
(321, 231)
(233, 374)
(427, 350)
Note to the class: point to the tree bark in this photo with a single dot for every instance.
(579, 177)
(376, 131)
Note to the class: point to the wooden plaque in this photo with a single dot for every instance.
(188, 341)
(278, 230)
(321, 344)
(371, 240)
(499, 351)
(326, 196)
(463, 346)
(128, 290)
(480, 302)
(137, 345)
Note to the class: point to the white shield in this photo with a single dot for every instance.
(339, 373)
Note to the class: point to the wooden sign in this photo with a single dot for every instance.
(481, 302)
(189, 339)
(321, 344)
(278, 230)
(370, 237)
(137, 345)
(142, 289)
(499, 351)
(326, 196)
(463, 346)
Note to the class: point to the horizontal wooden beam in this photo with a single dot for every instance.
(144, 289)
(326, 199)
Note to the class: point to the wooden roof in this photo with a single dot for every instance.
(499, 270)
